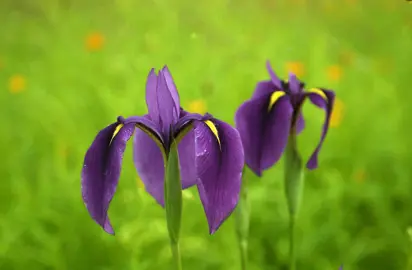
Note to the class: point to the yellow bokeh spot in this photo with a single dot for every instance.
(17, 84)
(337, 113)
(296, 68)
(275, 97)
(334, 73)
(197, 106)
(94, 42)
(213, 128)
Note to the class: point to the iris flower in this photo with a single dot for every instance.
(210, 154)
(274, 111)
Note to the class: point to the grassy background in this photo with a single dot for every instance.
(56, 92)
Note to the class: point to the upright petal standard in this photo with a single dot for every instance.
(272, 114)
(210, 153)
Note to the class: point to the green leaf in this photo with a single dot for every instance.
(293, 176)
(173, 194)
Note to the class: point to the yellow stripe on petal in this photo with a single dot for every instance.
(319, 92)
(116, 131)
(213, 128)
(275, 97)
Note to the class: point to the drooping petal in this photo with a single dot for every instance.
(264, 133)
(219, 164)
(101, 171)
(276, 133)
(187, 156)
(168, 111)
(275, 79)
(186, 148)
(323, 99)
(149, 162)
(151, 96)
(171, 86)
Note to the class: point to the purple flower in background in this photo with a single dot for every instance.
(210, 153)
(274, 111)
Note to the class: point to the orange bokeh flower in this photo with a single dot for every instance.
(337, 113)
(94, 41)
(296, 68)
(334, 73)
(17, 84)
(197, 106)
(360, 176)
(346, 58)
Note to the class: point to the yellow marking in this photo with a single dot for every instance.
(116, 131)
(213, 128)
(319, 92)
(275, 97)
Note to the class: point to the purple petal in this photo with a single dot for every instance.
(264, 134)
(171, 86)
(168, 111)
(276, 134)
(187, 156)
(149, 164)
(219, 165)
(151, 96)
(263, 88)
(324, 99)
(101, 171)
(148, 160)
(186, 149)
(300, 123)
(294, 84)
(275, 79)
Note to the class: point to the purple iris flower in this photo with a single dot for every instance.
(210, 154)
(274, 112)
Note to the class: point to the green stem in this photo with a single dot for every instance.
(176, 255)
(292, 256)
(293, 189)
(243, 254)
(242, 223)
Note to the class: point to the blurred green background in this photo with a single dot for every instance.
(68, 68)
